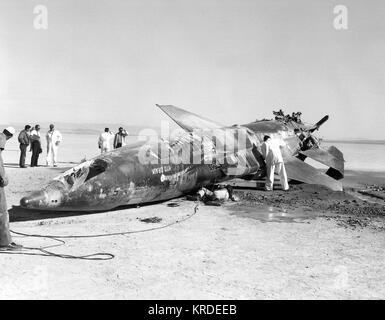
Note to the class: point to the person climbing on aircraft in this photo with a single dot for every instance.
(274, 163)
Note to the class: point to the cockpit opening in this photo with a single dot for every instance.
(83, 172)
(96, 167)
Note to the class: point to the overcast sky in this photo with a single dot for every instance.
(230, 60)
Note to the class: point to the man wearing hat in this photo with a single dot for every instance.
(5, 236)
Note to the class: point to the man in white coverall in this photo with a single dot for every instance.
(105, 140)
(54, 138)
(274, 162)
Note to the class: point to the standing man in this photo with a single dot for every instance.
(35, 145)
(105, 141)
(54, 138)
(5, 235)
(119, 138)
(24, 143)
(274, 162)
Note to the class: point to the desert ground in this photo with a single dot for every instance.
(307, 243)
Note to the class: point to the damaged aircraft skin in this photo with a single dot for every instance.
(151, 171)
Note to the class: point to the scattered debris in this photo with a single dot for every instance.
(373, 191)
(151, 220)
(344, 208)
(192, 197)
(214, 197)
(374, 187)
(280, 116)
(173, 204)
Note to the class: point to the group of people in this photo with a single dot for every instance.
(295, 116)
(108, 140)
(31, 137)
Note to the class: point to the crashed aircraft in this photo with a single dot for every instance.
(205, 154)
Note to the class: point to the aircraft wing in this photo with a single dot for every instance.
(331, 157)
(301, 171)
(188, 120)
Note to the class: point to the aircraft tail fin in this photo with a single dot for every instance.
(188, 120)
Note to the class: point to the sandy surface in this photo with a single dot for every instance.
(308, 243)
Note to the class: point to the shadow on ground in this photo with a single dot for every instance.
(18, 214)
(61, 168)
(11, 165)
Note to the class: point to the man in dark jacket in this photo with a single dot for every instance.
(35, 145)
(5, 235)
(24, 143)
(119, 138)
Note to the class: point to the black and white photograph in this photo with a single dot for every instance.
(180, 150)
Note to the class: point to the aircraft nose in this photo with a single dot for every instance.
(50, 197)
(34, 200)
